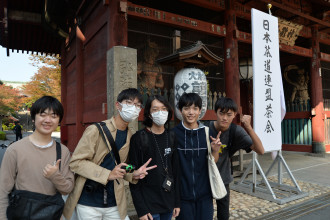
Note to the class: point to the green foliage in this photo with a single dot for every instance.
(2, 135)
(11, 126)
(4, 127)
(58, 129)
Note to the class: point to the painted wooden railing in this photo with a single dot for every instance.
(297, 125)
(297, 131)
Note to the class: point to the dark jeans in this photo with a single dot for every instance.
(164, 216)
(198, 210)
(18, 136)
(223, 206)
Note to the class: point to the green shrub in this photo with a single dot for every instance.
(4, 127)
(11, 126)
(58, 128)
(2, 135)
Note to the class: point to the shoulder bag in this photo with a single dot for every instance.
(218, 188)
(35, 206)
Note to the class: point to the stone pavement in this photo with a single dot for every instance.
(310, 171)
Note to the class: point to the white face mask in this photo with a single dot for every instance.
(160, 117)
(129, 112)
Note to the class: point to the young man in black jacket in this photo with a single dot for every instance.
(196, 195)
(157, 196)
(226, 110)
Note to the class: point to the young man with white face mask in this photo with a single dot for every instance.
(99, 191)
(157, 196)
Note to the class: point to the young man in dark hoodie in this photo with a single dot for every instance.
(196, 195)
(248, 140)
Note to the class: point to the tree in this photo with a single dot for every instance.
(47, 81)
(10, 101)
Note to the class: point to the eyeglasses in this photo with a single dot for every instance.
(130, 102)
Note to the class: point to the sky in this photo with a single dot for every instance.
(16, 67)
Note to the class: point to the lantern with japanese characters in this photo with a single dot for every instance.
(190, 80)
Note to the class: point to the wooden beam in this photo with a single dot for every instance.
(316, 95)
(231, 64)
(163, 17)
(305, 52)
(297, 147)
(325, 57)
(243, 37)
(296, 50)
(214, 5)
(117, 21)
(324, 38)
(79, 91)
(292, 11)
(167, 18)
(297, 115)
(246, 1)
(24, 16)
(244, 11)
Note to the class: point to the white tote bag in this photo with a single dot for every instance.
(218, 188)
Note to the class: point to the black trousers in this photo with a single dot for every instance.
(18, 136)
(223, 206)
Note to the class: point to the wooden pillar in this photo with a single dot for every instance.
(117, 23)
(317, 95)
(64, 85)
(231, 55)
(79, 89)
(176, 40)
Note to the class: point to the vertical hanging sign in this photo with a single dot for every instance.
(266, 80)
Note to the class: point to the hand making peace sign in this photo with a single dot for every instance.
(142, 171)
(216, 143)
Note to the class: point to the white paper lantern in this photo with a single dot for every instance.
(190, 80)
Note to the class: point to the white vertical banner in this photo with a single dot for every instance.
(267, 80)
